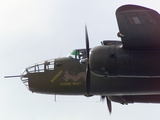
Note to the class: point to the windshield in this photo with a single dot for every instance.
(78, 54)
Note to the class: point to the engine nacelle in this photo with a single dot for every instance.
(113, 60)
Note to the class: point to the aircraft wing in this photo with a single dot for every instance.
(139, 27)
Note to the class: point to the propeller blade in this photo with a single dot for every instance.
(109, 105)
(88, 66)
(88, 79)
(102, 98)
(87, 42)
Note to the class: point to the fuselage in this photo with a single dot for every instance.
(114, 71)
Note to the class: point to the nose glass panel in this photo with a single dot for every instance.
(37, 68)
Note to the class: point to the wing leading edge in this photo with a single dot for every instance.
(139, 27)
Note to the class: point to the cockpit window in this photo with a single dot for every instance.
(49, 65)
(40, 67)
(78, 54)
(74, 54)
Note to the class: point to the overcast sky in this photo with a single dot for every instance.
(35, 30)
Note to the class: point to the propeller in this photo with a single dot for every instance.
(87, 62)
(88, 73)
(108, 103)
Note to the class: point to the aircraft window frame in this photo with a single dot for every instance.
(78, 54)
(73, 54)
(82, 54)
(49, 65)
(41, 67)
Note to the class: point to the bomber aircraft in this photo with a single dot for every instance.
(126, 71)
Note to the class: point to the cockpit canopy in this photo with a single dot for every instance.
(78, 54)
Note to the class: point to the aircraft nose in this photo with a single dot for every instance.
(24, 77)
(35, 69)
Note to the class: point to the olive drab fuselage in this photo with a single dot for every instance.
(113, 71)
